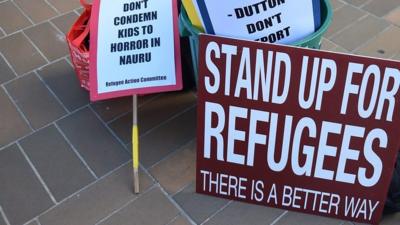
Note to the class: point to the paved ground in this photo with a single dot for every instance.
(66, 161)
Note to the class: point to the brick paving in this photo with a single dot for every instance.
(66, 161)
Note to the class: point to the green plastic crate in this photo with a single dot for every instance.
(311, 41)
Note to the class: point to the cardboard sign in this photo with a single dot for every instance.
(134, 48)
(298, 129)
(271, 21)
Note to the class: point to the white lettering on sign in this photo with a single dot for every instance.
(388, 87)
(224, 184)
(317, 156)
(244, 82)
(270, 77)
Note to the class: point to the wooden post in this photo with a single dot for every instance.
(135, 145)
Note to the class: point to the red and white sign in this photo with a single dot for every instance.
(134, 48)
(298, 129)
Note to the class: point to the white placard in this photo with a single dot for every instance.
(280, 21)
(136, 48)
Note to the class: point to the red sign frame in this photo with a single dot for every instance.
(329, 171)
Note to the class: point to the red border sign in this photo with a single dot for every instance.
(95, 95)
(298, 129)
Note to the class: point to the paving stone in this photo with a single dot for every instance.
(65, 5)
(56, 162)
(64, 22)
(37, 10)
(336, 4)
(360, 32)
(394, 17)
(33, 223)
(350, 223)
(305, 219)
(11, 18)
(62, 80)
(327, 45)
(356, 2)
(79, 10)
(32, 97)
(153, 113)
(12, 125)
(20, 53)
(152, 208)
(2, 221)
(342, 18)
(163, 108)
(392, 219)
(340, 49)
(180, 220)
(22, 195)
(6, 73)
(381, 7)
(178, 170)
(94, 142)
(168, 138)
(98, 200)
(198, 206)
(383, 45)
(50, 41)
(245, 214)
(111, 108)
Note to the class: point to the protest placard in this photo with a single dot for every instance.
(134, 48)
(280, 21)
(297, 129)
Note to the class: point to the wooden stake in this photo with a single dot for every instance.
(135, 145)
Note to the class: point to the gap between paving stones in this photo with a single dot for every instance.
(31, 71)
(52, 92)
(156, 96)
(72, 112)
(18, 109)
(167, 120)
(46, 188)
(22, 11)
(78, 191)
(46, 125)
(373, 39)
(126, 204)
(174, 219)
(338, 32)
(279, 217)
(108, 128)
(76, 151)
(3, 215)
(44, 21)
(33, 44)
(183, 212)
(180, 149)
(216, 212)
(353, 22)
(52, 6)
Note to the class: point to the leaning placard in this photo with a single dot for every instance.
(134, 48)
(298, 129)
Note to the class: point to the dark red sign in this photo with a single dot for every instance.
(298, 129)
